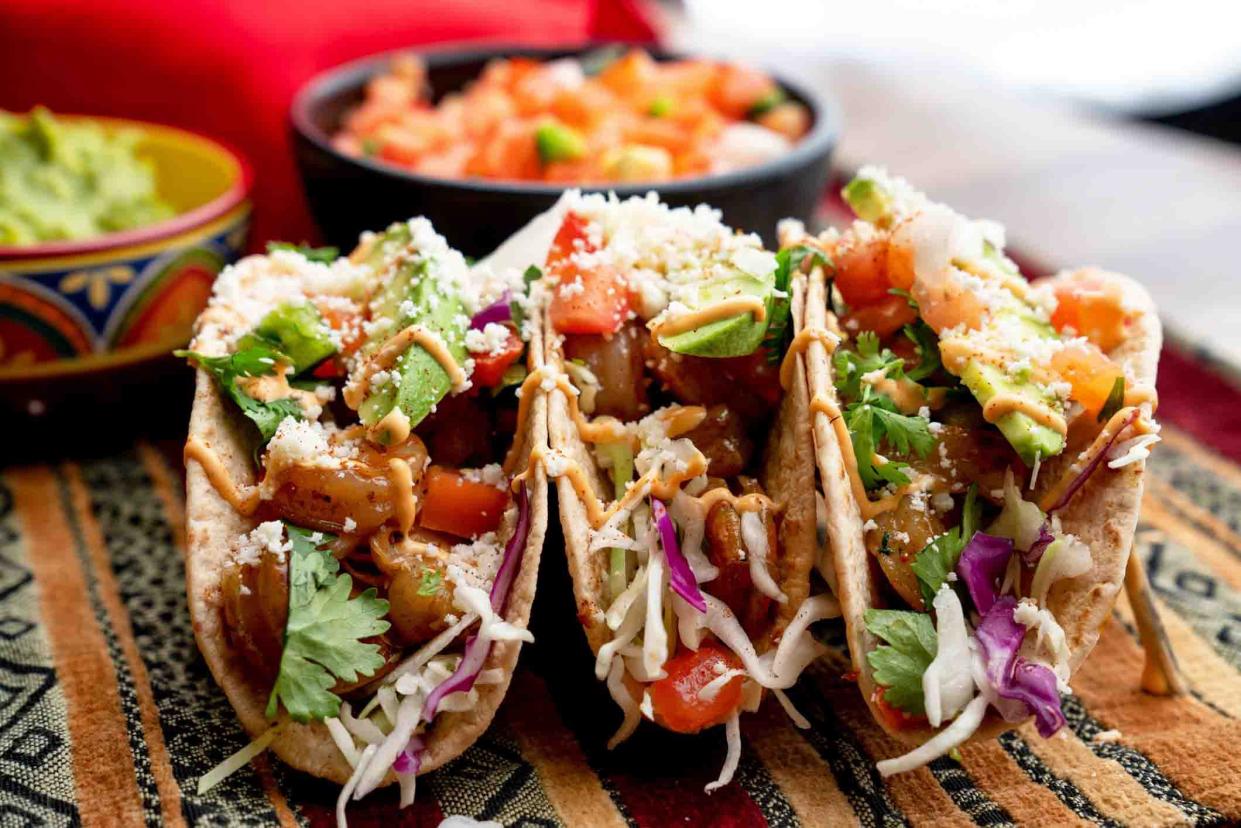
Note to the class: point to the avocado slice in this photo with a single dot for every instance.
(415, 295)
(868, 199)
(738, 335)
(1030, 439)
(295, 330)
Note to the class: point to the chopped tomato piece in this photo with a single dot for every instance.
(862, 273)
(885, 317)
(894, 717)
(489, 368)
(1093, 310)
(588, 300)
(790, 119)
(465, 508)
(630, 76)
(675, 698)
(1091, 374)
(739, 88)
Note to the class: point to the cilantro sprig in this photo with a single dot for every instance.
(939, 557)
(873, 419)
(323, 637)
(898, 665)
(293, 335)
(788, 261)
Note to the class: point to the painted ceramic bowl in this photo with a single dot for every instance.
(107, 304)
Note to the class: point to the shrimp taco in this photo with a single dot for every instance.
(684, 470)
(362, 541)
(981, 443)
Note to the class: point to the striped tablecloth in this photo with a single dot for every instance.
(108, 715)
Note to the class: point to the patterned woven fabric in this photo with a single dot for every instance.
(108, 715)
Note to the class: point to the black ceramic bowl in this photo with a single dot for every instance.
(348, 195)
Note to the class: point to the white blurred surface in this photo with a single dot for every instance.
(1072, 189)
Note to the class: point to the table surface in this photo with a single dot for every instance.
(1158, 204)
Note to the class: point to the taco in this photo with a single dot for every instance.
(684, 470)
(981, 443)
(363, 541)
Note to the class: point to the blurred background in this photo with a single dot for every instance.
(1101, 133)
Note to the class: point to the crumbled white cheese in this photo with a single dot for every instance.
(492, 339)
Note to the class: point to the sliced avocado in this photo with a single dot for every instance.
(1030, 439)
(732, 336)
(557, 142)
(297, 331)
(867, 198)
(415, 295)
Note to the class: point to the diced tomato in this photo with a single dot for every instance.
(675, 700)
(489, 368)
(894, 717)
(465, 508)
(1091, 374)
(1092, 309)
(862, 273)
(588, 300)
(631, 75)
(885, 317)
(738, 88)
(790, 119)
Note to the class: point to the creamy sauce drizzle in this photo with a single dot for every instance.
(1005, 402)
(387, 355)
(401, 478)
(1114, 425)
(244, 499)
(733, 306)
(392, 430)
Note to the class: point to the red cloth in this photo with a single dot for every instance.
(229, 70)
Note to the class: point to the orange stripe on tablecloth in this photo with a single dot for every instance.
(1217, 681)
(103, 766)
(1207, 523)
(1112, 791)
(568, 782)
(998, 776)
(167, 485)
(1221, 562)
(803, 777)
(1194, 746)
(109, 594)
(1183, 442)
(917, 793)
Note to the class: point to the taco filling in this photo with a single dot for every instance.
(970, 407)
(386, 535)
(692, 550)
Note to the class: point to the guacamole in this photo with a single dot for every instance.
(63, 180)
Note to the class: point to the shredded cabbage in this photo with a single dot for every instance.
(1020, 520)
(947, 685)
(754, 534)
(981, 565)
(950, 737)
(732, 732)
(1066, 557)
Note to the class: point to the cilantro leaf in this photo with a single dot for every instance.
(873, 419)
(788, 261)
(926, 343)
(910, 649)
(531, 275)
(939, 557)
(430, 584)
(295, 335)
(252, 362)
(324, 632)
(322, 255)
(1115, 401)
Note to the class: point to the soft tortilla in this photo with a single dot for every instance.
(787, 476)
(213, 528)
(1103, 514)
